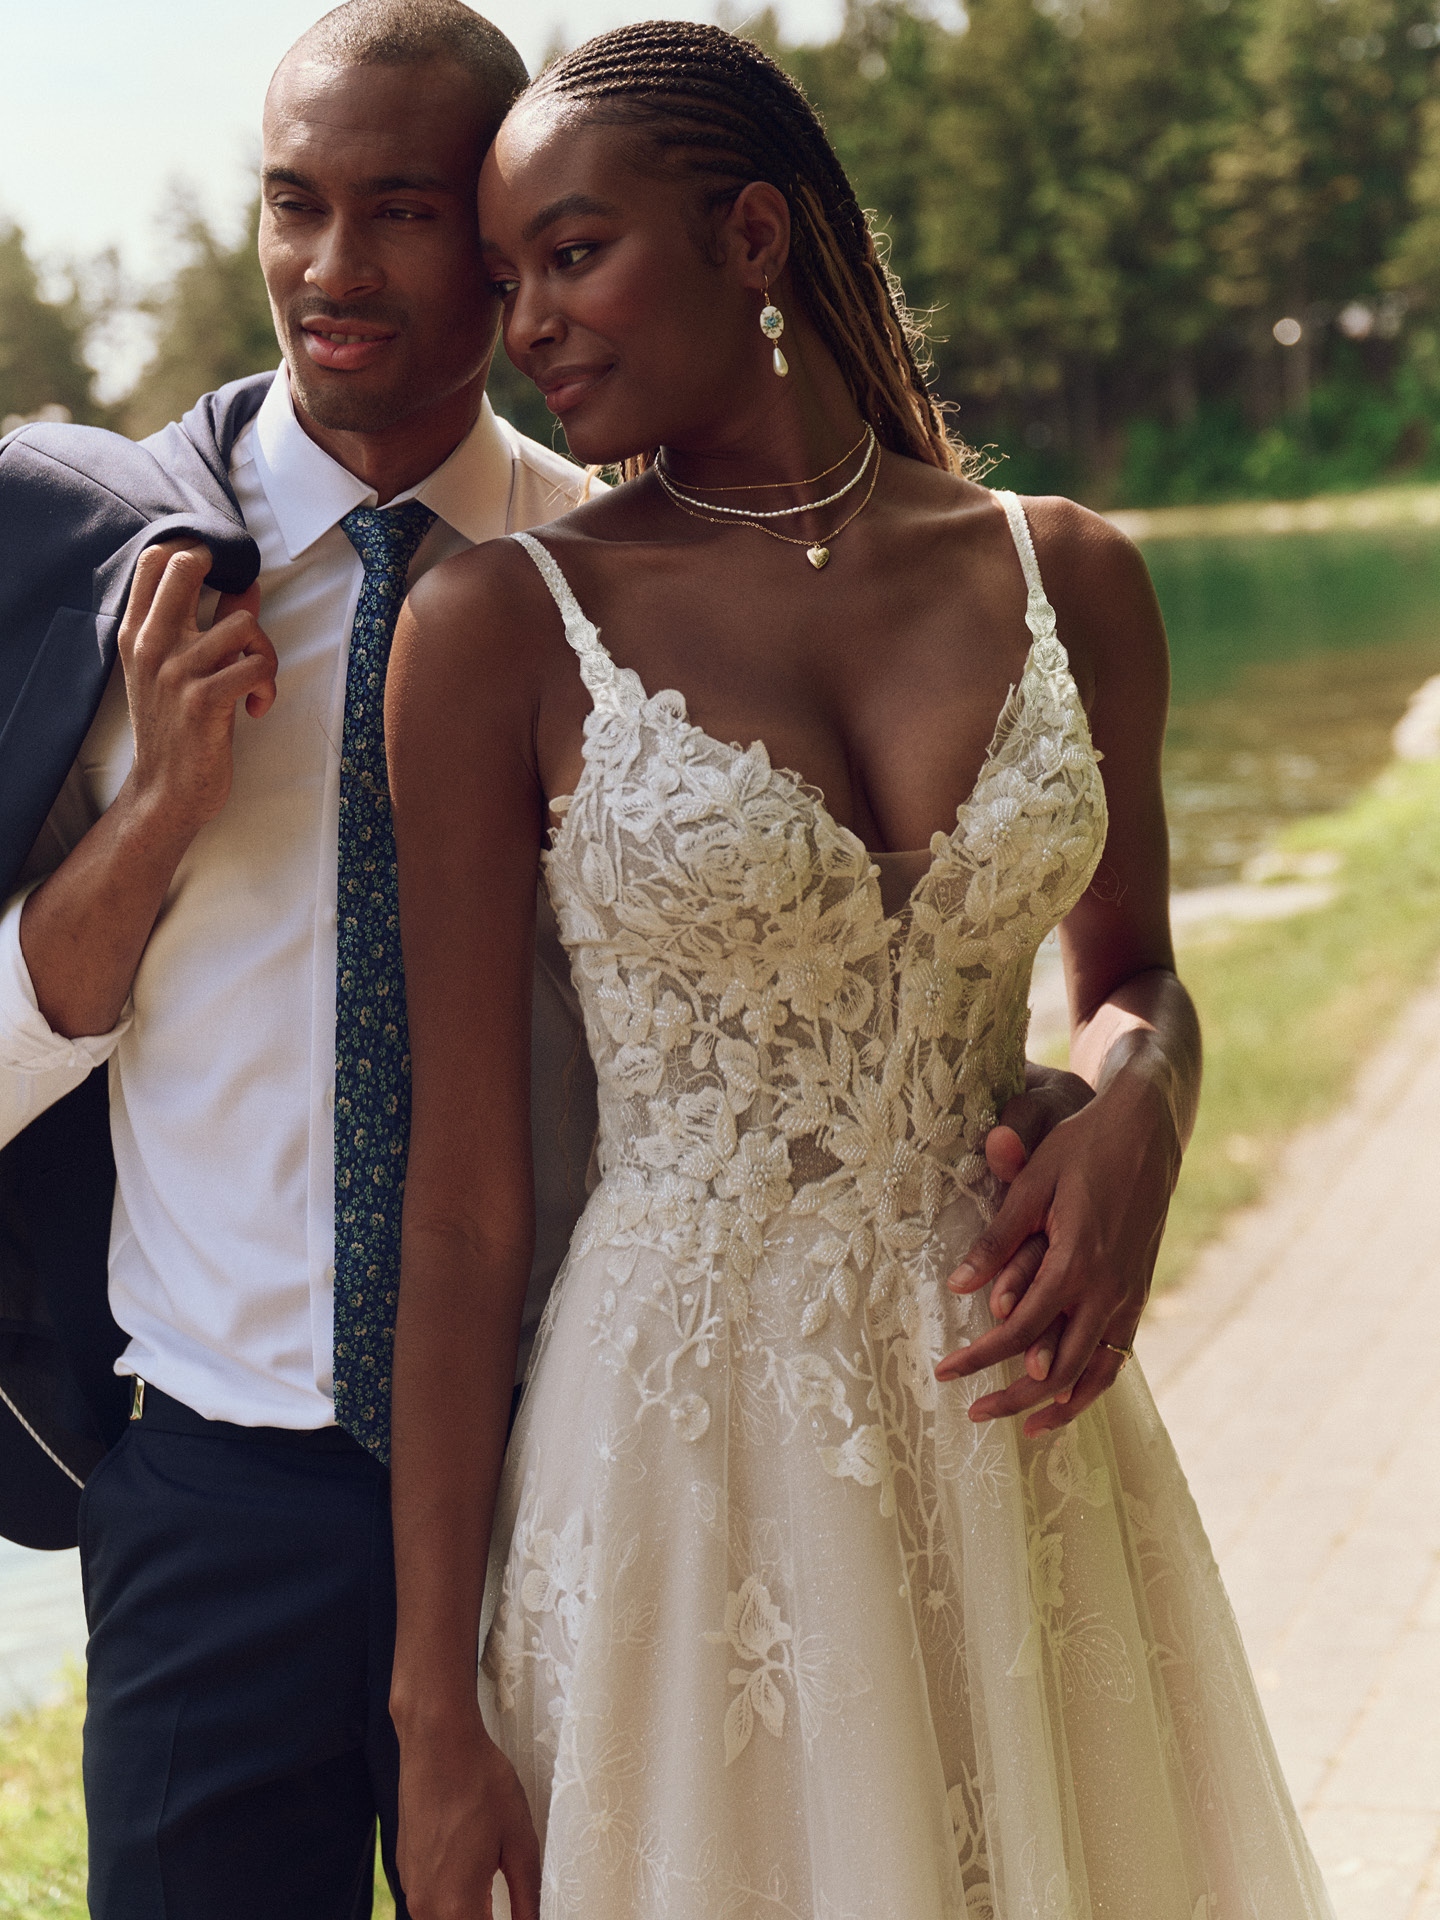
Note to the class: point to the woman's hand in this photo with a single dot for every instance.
(1070, 1253)
(463, 1819)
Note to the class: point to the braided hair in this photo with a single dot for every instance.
(729, 114)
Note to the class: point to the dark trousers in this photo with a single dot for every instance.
(240, 1590)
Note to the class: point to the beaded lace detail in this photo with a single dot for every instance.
(780, 1633)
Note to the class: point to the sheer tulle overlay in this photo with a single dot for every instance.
(780, 1633)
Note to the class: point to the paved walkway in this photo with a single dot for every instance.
(1298, 1368)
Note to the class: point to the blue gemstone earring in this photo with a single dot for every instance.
(772, 325)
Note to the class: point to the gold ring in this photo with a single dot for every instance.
(1125, 1353)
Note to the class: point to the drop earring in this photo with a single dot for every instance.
(772, 325)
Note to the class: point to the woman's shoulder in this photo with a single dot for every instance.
(498, 578)
(1089, 568)
(485, 623)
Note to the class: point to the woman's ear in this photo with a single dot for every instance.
(757, 230)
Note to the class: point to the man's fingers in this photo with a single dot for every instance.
(1013, 1280)
(1021, 1214)
(1040, 1354)
(170, 618)
(1101, 1374)
(240, 633)
(149, 572)
(1050, 1096)
(213, 662)
(1006, 1153)
(247, 602)
(1010, 1339)
(249, 679)
(1085, 1337)
(521, 1868)
(1021, 1396)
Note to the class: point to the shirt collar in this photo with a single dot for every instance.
(309, 493)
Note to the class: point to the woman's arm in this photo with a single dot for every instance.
(1070, 1253)
(460, 722)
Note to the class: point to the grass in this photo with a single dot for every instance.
(1292, 1008)
(42, 1825)
(42, 1817)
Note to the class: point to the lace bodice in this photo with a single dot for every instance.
(763, 1034)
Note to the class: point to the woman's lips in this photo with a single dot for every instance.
(567, 389)
(344, 347)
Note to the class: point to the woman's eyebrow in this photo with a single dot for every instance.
(572, 203)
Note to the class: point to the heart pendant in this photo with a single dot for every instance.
(818, 557)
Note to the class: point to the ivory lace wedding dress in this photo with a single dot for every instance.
(781, 1634)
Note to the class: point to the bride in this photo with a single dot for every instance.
(842, 1570)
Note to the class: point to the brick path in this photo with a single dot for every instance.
(1298, 1368)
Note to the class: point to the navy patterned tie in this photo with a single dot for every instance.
(372, 1044)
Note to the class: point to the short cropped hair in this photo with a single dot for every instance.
(406, 33)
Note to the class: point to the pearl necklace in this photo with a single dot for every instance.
(817, 554)
(752, 514)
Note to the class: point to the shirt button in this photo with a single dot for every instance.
(329, 1099)
(330, 1276)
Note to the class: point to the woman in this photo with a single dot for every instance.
(808, 1604)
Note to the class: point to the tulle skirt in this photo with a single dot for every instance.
(778, 1631)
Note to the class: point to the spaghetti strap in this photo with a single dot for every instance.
(597, 669)
(1039, 614)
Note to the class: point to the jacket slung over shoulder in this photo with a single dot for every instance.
(78, 506)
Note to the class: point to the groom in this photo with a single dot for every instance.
(219, 856)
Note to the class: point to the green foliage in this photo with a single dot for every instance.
(214, 323)
(41, 359)
(1292, 1008)
(1104, 206)
(1110, 205)
(42, 1819)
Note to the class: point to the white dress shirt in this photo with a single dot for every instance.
(222, 1069)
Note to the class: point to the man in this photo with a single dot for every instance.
(221, 850)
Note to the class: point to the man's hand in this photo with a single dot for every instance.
(183, 687)
(83, 930)
(1070, 1253)
(1051, 1095)
(463, 1819)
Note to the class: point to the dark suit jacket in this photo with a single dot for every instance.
(77, 508)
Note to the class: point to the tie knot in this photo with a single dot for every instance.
(386, 537)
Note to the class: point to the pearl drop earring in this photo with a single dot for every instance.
(772, 325)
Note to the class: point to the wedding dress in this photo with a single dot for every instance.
(781, 1634)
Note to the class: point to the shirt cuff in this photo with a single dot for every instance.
(28, 1043)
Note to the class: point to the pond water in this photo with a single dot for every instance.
(1294, 655)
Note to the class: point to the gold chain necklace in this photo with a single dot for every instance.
(771, 486)
(748, 514)
(818, 555)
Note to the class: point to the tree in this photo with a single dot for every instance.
(41, 358)
(1158, 89)
(1313, 183)
(214, 323)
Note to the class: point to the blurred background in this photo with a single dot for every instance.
(1175, 250)
(1181, 260)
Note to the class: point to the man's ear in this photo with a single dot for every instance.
(758, 229)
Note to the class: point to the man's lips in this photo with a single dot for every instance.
(566, 387)
(345, 345)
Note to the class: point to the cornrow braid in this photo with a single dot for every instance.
(727, 111)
